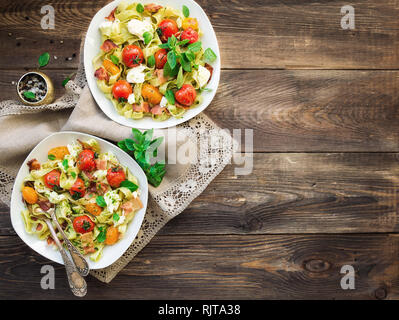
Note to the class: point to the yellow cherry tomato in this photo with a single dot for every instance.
(94, 209)
(151, 94)
(29, 194)
(112, 235)
(190, 23)
(59, 152)
(110, 67)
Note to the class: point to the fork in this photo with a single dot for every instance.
(80, 262)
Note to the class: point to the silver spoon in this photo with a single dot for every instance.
(76, 282)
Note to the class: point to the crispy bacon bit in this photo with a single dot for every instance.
(143, 107)
(210, 69)
(33, 165)
(45, 205)
(157, 110)
(50, 241)
(87, 242)
(39, 227)
(108, 45)
(152, 7)
(111, 16)
(101, 164)
(101, 74)
(159, 74)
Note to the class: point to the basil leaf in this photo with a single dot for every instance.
(100, 201)
(195, 47)
(137, 135)
(168, 71)
(190, 55)
(170, 96)
(172, 41)
(147, 37)
(210, 55)
(102, 235)
(186, 64)
(172, 59)
(114, 59)
(140, 8)
(130, 144)
(116, 217)
(65, 164)
(186, 11)
(183, 42)
(164, 46)
(151, 61)
(29, 95)
(180, 78)
(73, 174)
(44, 59)
(51, 157)
(130, 185)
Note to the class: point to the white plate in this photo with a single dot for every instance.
(92, 48)
(110, 253)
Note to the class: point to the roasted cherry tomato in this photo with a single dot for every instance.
(29, 194)
(112, 235)
(86, 160)
(186, 95)
(190, 23)
(122, 89)
(132, 56)
(83, 224)
(166, 29)
(59, 152)
(94, 209)
(78, 189)
(190, 34)
(151, 94)
(161, 57)
(52, 179)
(115, 176)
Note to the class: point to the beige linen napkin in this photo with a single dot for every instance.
(205, 149)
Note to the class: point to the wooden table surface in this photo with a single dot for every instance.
(323, 104)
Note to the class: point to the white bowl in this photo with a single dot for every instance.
(92, 48)
(110, 253)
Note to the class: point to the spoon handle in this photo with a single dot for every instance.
(80, 262)
(76, 282)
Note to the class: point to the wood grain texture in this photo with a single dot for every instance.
(225, 267)
(293, 193)
(297, 110)
(275, 34)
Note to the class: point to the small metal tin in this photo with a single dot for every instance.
(48, 98)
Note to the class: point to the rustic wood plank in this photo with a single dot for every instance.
(293, 193)
(297, 110)
(275, 34)
(225, 267)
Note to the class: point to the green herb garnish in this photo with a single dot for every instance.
(147, 37)
(140, 8)
(102, 235)
(172, 59)
(73, 174)
(210, 55)
(116, 217)
(29, 95)
(186, 11)
(51, 157)
(180, 78)
(44, 59)
(170, 96)
(151, 61)
(114, 59)
(101, 202)
(130, 185)
(195, 47)
(65, 164)
(142, 147)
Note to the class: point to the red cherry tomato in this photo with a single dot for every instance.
(86, 160)
(122, 89)
(78, 189)
(132, 56)
(189, 34)
(166, 29)
(161, 57)
(115, 176)
(83, 224)
(52, 179)
(186, 95)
